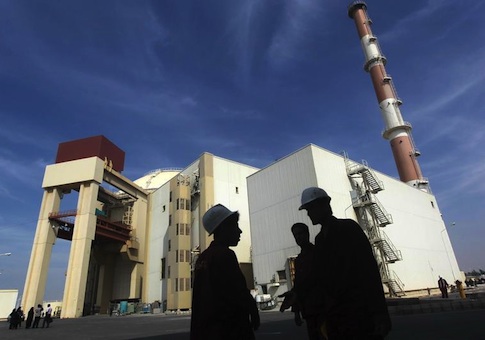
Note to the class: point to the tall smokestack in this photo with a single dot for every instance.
(397, 131)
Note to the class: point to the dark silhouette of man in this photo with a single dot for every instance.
(443, 286)
(222, 307)
(302, 297)
(350, 309)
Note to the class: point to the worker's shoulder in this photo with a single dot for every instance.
(347, 223)
(348, 227)
(217, 253)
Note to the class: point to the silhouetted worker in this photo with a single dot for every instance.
(303, 296)
(443, 286)
(351, 309)
(222, 307)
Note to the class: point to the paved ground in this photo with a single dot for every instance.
(427, 318)
(462, 325)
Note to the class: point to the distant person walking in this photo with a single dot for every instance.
(461, 289)
(37, 315)
(443, 286)
(20, 312)
(303, 296)
(30, 317)
(350, 309)
(13, 319)
(222, 307)
(47, 317)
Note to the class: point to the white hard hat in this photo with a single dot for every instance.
(215, 216)
(310, 194)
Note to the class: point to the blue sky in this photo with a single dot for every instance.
(246, 80)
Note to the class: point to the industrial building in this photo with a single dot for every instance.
(137, 240)
(403, 224)
(130, 240)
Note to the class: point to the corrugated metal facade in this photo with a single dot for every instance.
(418, 230)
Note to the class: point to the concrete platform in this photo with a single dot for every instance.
(435, 304)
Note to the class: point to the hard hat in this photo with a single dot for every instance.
(215, 216)
(310, 194)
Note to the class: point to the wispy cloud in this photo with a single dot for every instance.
(19, 172)
(299, 18)
(402, 26)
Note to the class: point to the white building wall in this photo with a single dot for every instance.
(274, 197)
(8, 301)
(157, 244)
(419, 232)
(230, 189)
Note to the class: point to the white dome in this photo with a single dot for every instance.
(156, 178)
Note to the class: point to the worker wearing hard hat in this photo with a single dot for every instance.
(351, 309)
(222, 307)
(303, 297)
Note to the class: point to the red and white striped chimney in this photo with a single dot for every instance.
(397, 131)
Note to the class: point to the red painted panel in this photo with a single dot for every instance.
(99, 146)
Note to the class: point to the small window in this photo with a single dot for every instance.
(187, 284)
(182, 229)
(187, 255)
(177, 255)
(432, 204)
(163, 208)
(281, 275)
(170, 197)
(177, 229)
(168, 272)
(182, 256)
(177, 285)
(169, 220)
(187, 229)
(237, 190)
(187, 204)
(169, 245)
(162, 269)
(182, 284)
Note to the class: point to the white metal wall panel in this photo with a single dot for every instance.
(230, 189)
(157, 244)
(274, 198)
(420, 233)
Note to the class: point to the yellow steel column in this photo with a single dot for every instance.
(40, 257)
(77, 270)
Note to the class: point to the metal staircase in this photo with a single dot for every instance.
(391, 254)
(367, 174)
(372, 216)
(370, 201)
(395, 285)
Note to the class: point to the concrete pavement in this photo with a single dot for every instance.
(418, 318)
